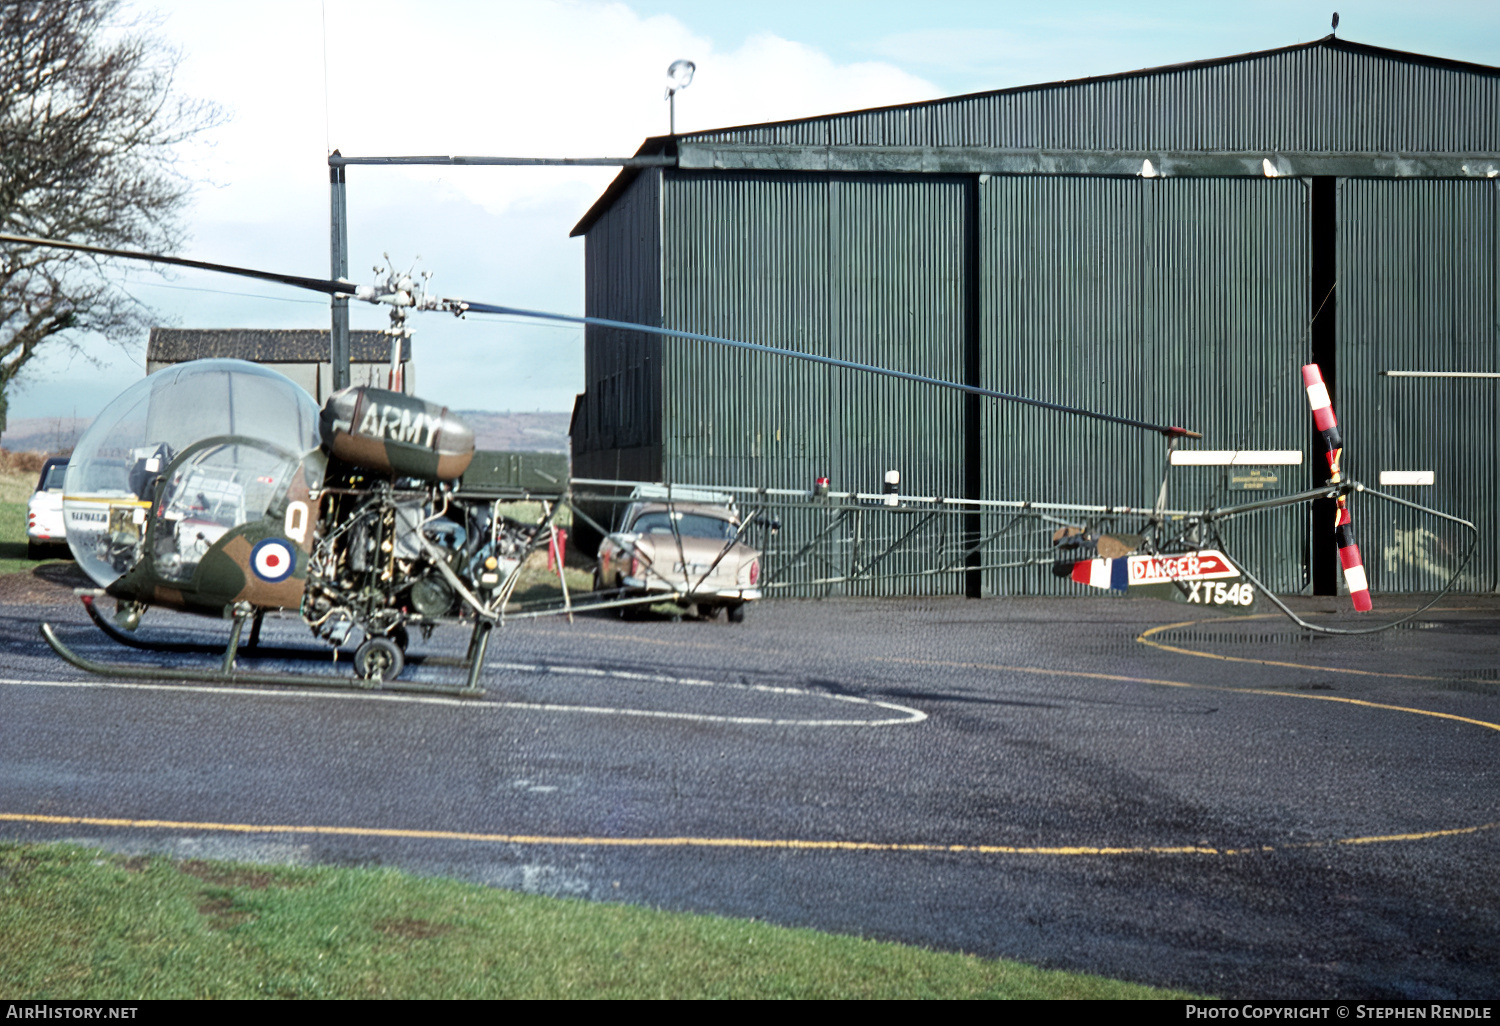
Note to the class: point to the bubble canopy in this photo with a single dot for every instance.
(133, 441)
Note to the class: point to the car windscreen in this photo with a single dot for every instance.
(52, 478)
(689, 525)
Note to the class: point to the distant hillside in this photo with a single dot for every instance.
(43, 434)
(532, 432)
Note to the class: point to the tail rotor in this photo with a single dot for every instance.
(1333, 442)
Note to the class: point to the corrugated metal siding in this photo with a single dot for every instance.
(1178, 301)
(1417, 291)
(621, 427)
(866, 268)
(1312, 98)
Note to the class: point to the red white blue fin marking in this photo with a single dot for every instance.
(1102, 573)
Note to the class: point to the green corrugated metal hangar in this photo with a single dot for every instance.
(1169, 245)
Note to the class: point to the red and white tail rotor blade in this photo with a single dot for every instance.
(1333, 442)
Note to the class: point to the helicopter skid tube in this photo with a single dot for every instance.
(178, 674)
(1347, 488)
(254, 651)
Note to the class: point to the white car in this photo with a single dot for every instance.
(44, 512)
(688, 551)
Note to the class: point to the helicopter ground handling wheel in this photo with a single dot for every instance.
(379, 659)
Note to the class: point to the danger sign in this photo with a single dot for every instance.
(1203, 565)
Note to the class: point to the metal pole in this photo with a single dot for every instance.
(646, 160)
(338, 335)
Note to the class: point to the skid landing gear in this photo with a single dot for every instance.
(479, 642)
(378, 661)
(252, 649)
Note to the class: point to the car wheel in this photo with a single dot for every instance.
(737, 613)
(626, 612)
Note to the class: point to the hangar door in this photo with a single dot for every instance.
(867, 268)
(1417, 333)
(1180, 301)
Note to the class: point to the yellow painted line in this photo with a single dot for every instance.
(785, 844)
(788, 844)
(107, 500)
(1145, 639)
(1044, 671)
(1417, 837)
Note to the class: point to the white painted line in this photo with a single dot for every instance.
(1406, 477)
(1439, 374)
(1236, 457)
(908, 715)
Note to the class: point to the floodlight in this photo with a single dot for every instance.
(680, 75)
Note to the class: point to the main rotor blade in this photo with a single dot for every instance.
(344, 288)
(332, 288)
(459, 305)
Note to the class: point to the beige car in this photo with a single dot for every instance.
(687, 551)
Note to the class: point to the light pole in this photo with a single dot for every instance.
(679, 76)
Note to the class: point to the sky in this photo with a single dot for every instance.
(297, 78)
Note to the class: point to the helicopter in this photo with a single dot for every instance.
(219, 487)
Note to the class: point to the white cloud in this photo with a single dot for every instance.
(773, 79)
(521, 79)
(533, 78)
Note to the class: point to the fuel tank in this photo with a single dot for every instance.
(396, 434)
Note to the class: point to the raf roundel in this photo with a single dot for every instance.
(273, 560)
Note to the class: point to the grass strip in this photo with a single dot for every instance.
(13, 538)
(80, 923)
(16, 488)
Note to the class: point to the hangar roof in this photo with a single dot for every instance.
(265, 345)
(1326, 107)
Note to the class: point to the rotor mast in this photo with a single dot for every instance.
(338, 334)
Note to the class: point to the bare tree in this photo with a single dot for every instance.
(89, 123)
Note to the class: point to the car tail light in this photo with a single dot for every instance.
(635, 566)
(754, 572)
